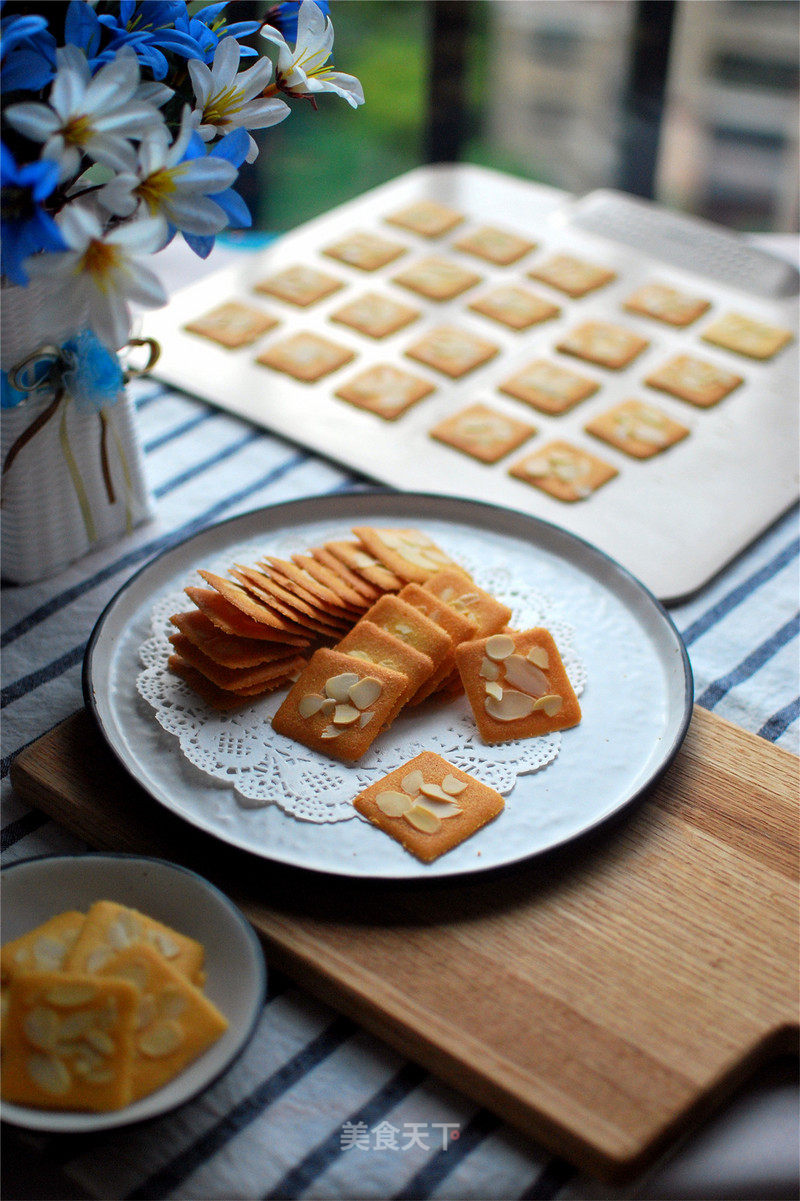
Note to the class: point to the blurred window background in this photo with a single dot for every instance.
(691, 102)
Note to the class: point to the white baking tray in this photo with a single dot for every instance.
(673, 520)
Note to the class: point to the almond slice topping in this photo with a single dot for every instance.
(412, 782)
(422, 819)
(345, 715)
(393, 804)
(525, 676)
(365, 692)
(433, 790)
(489, 670)
(310, 704)
(500, 646)
(452, 785)
(551, 704)
(494, 689)
(511, 707)
(539, 656)
(440, 809)
(339, 686)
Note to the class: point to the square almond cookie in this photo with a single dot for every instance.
(340, 704)
(575, 276)
(437, 278)
(549, 387)
(515, 307)
(744, 335)
(373, 644)
(427, 218)
(429, 806)
(232, 324)
(385, 390)
(666, 304)
(517, 685)
(495, 245)
(375, 316)
(694, 380)
(299, 285)
(411, 626)
(457, 625)
(638, 429)
(457, 589)
(366, 251)
(564, 471)
(482, 432)
(603, 343)
(68, 1041)
(409, 553)
(306, 357)
(454, 352)
(110, 925)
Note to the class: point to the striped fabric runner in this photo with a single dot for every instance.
(316, 1107)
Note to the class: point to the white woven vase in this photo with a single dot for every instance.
(58, 501)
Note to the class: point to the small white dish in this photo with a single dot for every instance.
(36, 889)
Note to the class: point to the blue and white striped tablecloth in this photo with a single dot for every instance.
(317, 1107)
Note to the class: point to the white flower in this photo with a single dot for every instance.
(85, 114)
(227, 101)
(170, 188)
(304, 70)
(99, 273)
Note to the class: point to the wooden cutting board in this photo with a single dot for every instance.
(603, 999)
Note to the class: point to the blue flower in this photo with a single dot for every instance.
(28, 53)
(233, 148)
(26, 228)
(284, 17)
(92, 374)
(150, 27)
(216, 27)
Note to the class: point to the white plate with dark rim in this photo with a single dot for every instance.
(236, 976)
(636, 707)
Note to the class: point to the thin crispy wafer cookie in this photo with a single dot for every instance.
(549, 387)
(564, 471)
(305, 356)
(309, 586)
(427, 218)
(663, 303)
(212, 694)
(299, 285)
(517, 686)
(638, 429)
(372, 644)
(437, 278)
(603, 343)
(242, 599)
(229, 650)
(459, 628)
(482, 432)
(457, 589)
(375, 315)
(429, 806)
(230, 619)
(355, 557)
(409, 553)
(368, 591)
(495, 245)
(232, 324)
(366, 251)
(385, 390)
(515, 307)
(410, 625)
(572, 275)
(334, 579)
(235, 679)
(694, 380)
(744, 335)
(340, 704)
(453, 351)
(285, 602)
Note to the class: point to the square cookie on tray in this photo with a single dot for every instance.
(564, 471)
(638, 429)
(306, 357)
(374, 315)
(514, 306)
(428, 218)
(549, 387)
(299, 285)
(694, 380)
(495, 245)
(575, 276)
(604, 343)
(232, 324)
(364, 250)
(385, 390)
(429, 806)
(453, 351)
(482, 432)
(437, 278)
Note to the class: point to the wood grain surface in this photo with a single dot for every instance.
(602, 998)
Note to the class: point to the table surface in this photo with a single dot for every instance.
(317, 1107)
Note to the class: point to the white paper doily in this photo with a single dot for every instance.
(260, 767)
